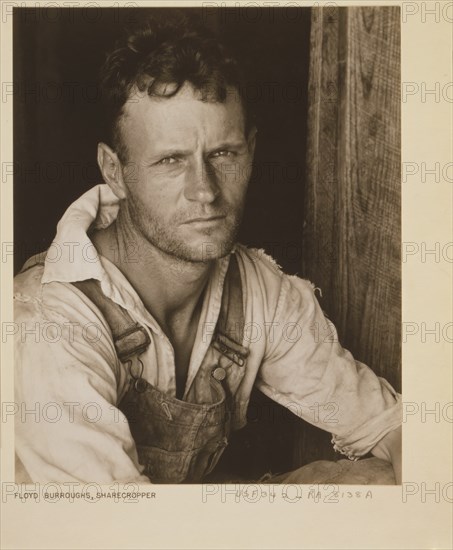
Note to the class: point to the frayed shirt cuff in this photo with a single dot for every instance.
(363, 439)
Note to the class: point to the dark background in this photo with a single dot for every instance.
(57, 55)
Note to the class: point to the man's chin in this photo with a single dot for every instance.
(195, 252)
(208, 251)
(197, 246)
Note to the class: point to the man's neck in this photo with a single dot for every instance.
(171, 289)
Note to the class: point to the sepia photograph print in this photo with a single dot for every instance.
(226, 274)
(214, 261)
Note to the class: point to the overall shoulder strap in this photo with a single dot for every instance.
(229, 334)
(231, 317)
(130, 338)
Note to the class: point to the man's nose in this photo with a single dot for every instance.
(201, 183)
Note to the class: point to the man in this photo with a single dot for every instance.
(146, 303)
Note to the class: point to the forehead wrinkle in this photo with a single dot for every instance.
(181, 121)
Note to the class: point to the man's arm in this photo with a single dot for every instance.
(68, 427)
(320, 381)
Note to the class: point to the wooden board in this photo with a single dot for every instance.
(351, 226)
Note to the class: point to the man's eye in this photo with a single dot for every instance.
(223, 153)
(167, 160)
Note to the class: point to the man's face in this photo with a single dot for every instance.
(187, 172)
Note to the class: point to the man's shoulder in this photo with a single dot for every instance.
(36, 300)
(257, 261)
(262, 278)
(27, 285)
(262, 271)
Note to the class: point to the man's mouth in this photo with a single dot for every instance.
(205, 220)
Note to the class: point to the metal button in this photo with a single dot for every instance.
(219, 373)
(140, 385)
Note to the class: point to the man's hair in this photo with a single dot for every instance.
(158, 55)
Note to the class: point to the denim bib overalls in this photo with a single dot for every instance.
(181, 441)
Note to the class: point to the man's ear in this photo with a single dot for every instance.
(251, 141)
(110, 167)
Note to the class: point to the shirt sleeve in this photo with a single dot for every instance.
(307, 370)
(68, 427)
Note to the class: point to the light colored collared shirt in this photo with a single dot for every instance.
(69, 380)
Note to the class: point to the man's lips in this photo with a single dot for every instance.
(207, 219)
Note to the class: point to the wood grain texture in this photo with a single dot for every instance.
(352, 229)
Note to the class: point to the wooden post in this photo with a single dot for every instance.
(352, 235)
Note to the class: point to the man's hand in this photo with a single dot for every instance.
(389, 448)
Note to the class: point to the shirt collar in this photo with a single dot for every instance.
(72, 256)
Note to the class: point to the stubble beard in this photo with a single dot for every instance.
(165, 238)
